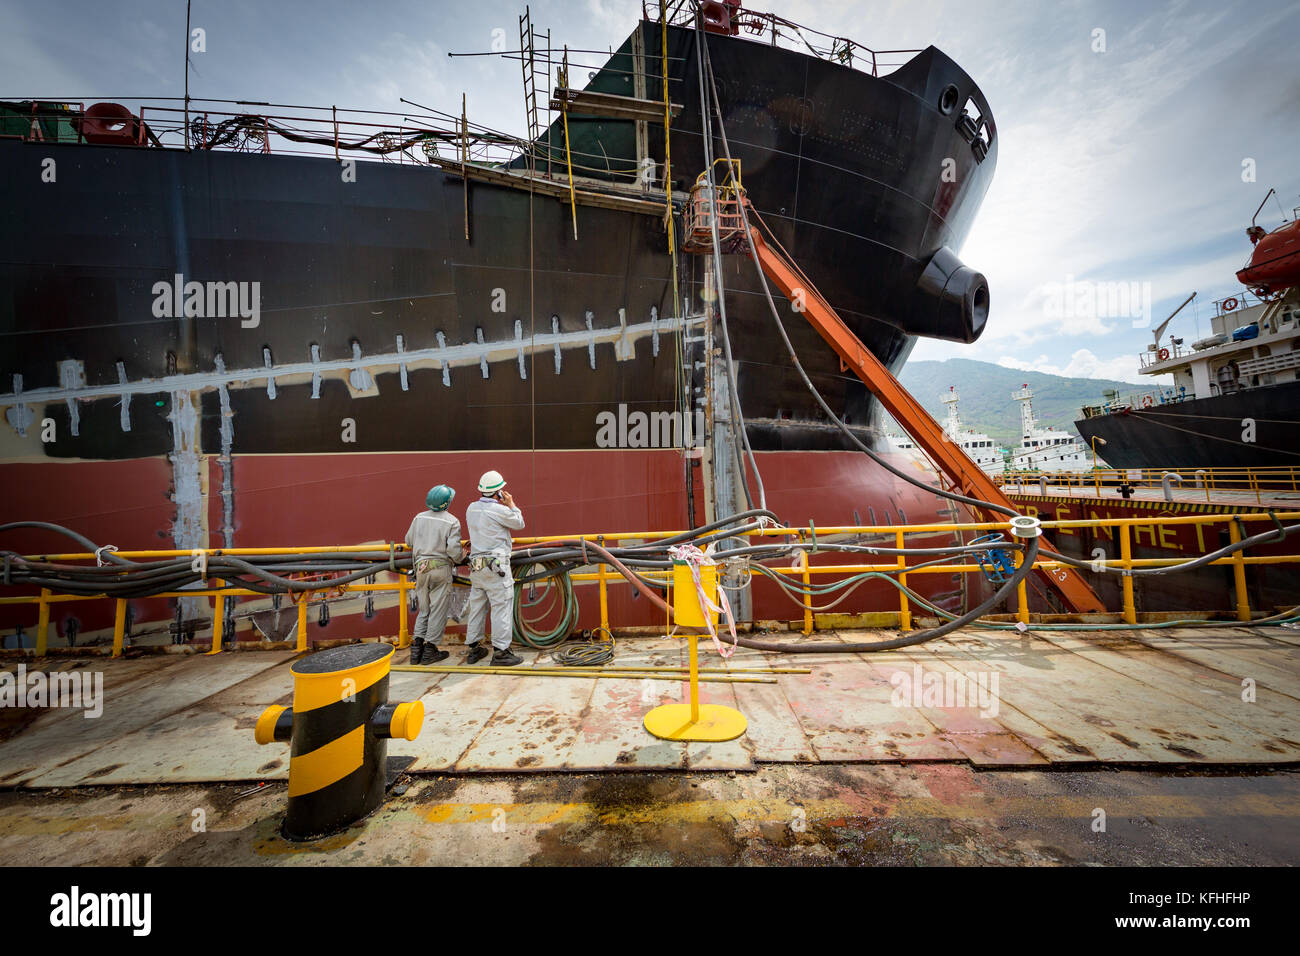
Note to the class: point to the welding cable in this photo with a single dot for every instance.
(812, 389)
(824, 546)
(656, 560)
(737, 425)
(227, 569)
(796, 589)
(562, 585)
(1264, 537)
(852, 585)
(695, 534)
(918, 637)
(586, 653)
(1282, 617)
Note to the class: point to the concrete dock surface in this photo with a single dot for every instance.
(1182, 744)
(784, 814)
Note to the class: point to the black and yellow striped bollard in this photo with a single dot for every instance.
(339, 729)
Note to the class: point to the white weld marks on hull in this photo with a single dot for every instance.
(187, 487)
(401, 369)
(72, 376)
(446, 366)
(227, 443)
(315, 372)
(622, 337)
(624, 347)
(519, 338)
(358, 377)
(125, 402)
(20, 416)
(270, 379)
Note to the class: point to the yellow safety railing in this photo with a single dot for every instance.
(1259, 481)
(805, 538)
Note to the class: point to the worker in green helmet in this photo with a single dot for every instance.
(434, 540)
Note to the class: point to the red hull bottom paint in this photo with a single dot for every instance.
(317, 500)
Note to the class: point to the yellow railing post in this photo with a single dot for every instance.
(119, 627)
(302, 621)
(807, 597)
(1126, 560)
(1239, 574)
(43, 623)
(695, 676)
(1022, 593)
(604, 598)
(218, 620)
(403, 612)
(904, 613)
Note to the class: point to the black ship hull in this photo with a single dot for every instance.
(391, 352)
(846, 167)
(1251, 428)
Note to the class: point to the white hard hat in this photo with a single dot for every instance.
(491, 483)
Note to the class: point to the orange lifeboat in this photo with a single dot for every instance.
(1275, 263)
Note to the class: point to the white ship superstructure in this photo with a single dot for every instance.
(980, 448)
(1045, 449)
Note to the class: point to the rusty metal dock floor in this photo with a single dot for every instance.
(1206, 696)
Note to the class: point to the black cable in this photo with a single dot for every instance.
(737, 423)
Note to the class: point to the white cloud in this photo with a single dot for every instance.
(1084, 364)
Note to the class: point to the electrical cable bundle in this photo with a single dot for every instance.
(590, 652)
(119, 577)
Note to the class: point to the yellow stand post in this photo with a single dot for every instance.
(403, 609)
(694, 721)
(218, 620)
(302, 621)
(43, 623)
(119, 627)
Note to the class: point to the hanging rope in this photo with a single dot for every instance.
(694, 559)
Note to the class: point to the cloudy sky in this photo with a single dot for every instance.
(1130, 129)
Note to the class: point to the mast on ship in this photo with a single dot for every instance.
(1026, 399)
(952, 423)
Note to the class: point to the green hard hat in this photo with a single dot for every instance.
(439, 497)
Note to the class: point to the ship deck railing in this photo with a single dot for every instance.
(778, 31)
(1259, 481)
(423, 137)
(805, 539)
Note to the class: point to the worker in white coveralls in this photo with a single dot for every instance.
(434, 540)
(490, 521)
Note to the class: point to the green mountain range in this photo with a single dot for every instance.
(984, 392)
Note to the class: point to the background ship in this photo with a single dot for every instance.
(1044, 449)
(1235, 392)
(1233, 400)
(471, 301)
(979, 447)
